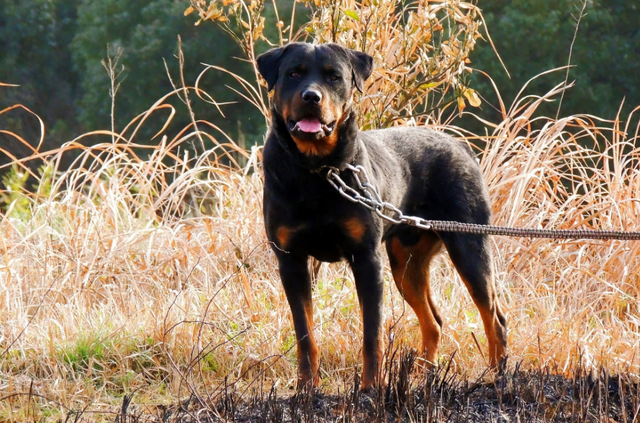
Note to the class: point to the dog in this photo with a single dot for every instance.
(423, 172)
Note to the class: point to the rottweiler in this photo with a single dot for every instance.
(423, 172)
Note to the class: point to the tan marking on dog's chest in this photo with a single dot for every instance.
(355, 228)
(283, 234)
(320, 148)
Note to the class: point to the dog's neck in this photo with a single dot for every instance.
(344, 152)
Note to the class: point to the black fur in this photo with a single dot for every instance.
(425, 173)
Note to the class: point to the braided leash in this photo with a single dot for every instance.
(368, 196)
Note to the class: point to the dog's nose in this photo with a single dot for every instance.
(311, 96)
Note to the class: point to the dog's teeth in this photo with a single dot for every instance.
(328, 127)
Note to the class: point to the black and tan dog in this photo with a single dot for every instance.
(425, 173)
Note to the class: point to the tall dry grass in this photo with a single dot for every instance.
(154, 275)
(114, 284)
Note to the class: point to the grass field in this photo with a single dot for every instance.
(138, 284)
(152, 278)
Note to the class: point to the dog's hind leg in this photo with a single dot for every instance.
(297, 285)
(471, 255)
(409, 257)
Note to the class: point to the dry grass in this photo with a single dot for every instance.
(112, 284)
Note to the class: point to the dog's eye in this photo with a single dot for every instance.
(334, 78)
(294, 74)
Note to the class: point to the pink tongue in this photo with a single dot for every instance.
(309, 125)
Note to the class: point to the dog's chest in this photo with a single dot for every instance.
(316, 222)
(323, 242)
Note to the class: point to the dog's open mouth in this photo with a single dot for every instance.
(311, 126)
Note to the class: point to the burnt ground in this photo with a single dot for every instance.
(439, 395)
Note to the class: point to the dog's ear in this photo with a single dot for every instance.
(361, 64)
(361, 67)
(268, 65)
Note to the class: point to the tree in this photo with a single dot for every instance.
(146, 32)
(534, 36)
(54, 50)
(35, 37)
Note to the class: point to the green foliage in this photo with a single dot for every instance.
(54, 50)
(534, 36)
(15, 196)
(34, 38)
(147, 32)
(85, 354)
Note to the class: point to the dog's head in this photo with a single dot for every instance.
(313, 87)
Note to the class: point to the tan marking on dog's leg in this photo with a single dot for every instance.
(370, 367)
(311, 374)
(410, 268)
(492, 319)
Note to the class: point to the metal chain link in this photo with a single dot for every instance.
(367, 195)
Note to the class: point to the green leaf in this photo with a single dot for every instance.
(429, 85)
(350, 13)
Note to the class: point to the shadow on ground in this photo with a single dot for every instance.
(438, 395)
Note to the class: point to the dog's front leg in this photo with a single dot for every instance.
(367, 272)
(297, 285)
